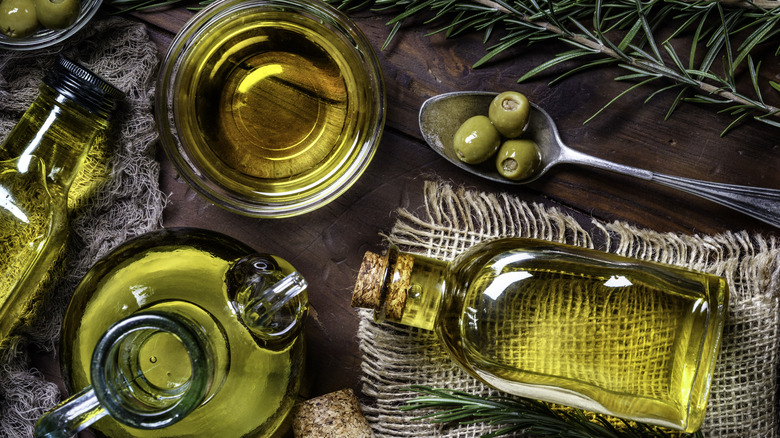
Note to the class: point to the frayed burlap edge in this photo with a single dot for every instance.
(744, 390)
(122, 199)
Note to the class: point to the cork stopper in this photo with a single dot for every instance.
(333, 415)
(368, 286)
(398, 289)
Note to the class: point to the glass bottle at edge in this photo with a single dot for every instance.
(583, 328)
(38, 163)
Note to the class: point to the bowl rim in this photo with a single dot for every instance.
(223, 196)
(44, 38)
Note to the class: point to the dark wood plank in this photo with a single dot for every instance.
(327, 245)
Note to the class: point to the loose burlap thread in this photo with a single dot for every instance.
(743, 401)
(116, 196)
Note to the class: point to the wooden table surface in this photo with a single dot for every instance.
(327, 245)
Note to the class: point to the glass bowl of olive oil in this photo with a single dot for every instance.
(270, 108)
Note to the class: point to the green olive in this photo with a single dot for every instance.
(18, 18)
(518, 159)
(476, 140)
(509, 113)
(57, 14)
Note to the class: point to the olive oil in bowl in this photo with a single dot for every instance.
(271, 108)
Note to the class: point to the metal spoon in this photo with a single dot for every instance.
(440, 117)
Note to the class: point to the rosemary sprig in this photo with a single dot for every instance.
(722, 38)
(626, 33)
(519, 415)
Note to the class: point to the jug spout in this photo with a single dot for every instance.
(269, 303)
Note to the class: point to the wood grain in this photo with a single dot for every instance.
(327, 245)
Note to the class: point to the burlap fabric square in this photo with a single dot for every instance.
(115, 197)
(744, 399)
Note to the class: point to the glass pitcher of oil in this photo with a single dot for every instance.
(182, 332)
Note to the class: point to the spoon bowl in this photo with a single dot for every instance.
(440, 116)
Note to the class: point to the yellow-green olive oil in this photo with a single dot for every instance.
(271, 103)
(636, 341)
(27, 237)
(617, 341)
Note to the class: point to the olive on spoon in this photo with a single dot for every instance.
(440, 116)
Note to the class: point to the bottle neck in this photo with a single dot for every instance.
(149, 370)
(55, 131)
(153, 368)
(402, 288)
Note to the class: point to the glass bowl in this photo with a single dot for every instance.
(49, 37)
(270, 108)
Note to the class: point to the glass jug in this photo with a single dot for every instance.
(182, 332)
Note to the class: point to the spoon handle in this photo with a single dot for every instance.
(760, 203)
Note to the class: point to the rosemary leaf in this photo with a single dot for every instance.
(646, 81)
(590, 65)
(511, 415)
(560, 58)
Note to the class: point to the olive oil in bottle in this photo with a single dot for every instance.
(41, 157)
(617, 336)
(272, 103)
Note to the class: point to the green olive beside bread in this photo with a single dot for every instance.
(509, 113)
(57, 14)
(518, 159)
(476, 140)
(18, 18)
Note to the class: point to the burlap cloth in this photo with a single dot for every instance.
(116, 196)
(744, 400)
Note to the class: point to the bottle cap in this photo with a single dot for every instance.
(84, 87)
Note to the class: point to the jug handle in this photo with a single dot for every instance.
(71, 416)
(270, 305)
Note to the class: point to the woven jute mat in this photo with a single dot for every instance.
(115, 197)
(744, 399)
